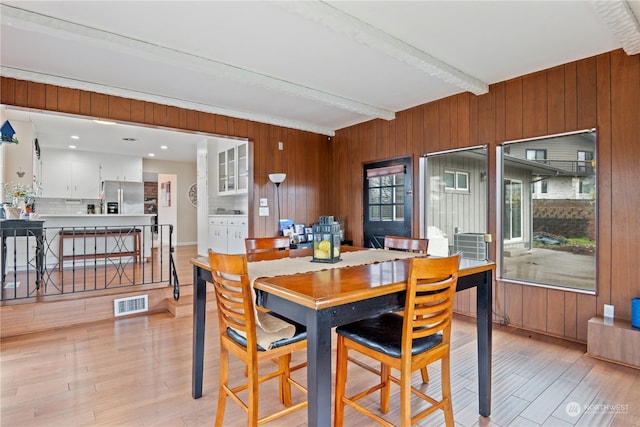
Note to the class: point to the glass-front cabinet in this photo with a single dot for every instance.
(233, 175)
(243, 168)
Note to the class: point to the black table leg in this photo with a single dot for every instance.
(199, 311)
(319, 368)
(484, 327)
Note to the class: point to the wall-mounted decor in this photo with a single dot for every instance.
(8, 133)
(165, 194)
(192, 194)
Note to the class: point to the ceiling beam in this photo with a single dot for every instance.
(24, 19)
(160, 99)
(622, 23)
(364, 33)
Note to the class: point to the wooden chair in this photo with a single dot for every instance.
(407, 244)
(239, 336)
(425, 338)
(265, 248)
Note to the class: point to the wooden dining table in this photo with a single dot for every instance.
(331, 297)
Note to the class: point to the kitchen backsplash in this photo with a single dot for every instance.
(228, 203)
(71, 207)
(63, 206)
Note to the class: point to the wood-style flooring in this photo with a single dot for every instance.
(137, 372)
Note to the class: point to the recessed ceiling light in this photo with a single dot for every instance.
(164, 147)
(72, 146)
(104, 122)
(152, 155)
(129, 139)
(75, 137)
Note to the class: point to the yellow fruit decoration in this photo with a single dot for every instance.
(325, 245)
(320, 254)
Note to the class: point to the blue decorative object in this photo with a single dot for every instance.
(635, 312)
(8, 132)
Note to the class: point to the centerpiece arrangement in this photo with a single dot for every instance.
(18, 198)
(326, 240)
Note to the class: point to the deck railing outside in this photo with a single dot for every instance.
(68, 260)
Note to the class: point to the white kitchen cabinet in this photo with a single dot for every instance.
(120, 168)
(55, 174)
(67, 174)
(237, 231)
(243, 167)
(218, 234)
(233, 168)
(227, 233)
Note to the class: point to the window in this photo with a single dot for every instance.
(585, 159)
(586, 185)
(453, 191)
(449, 180)
(386, 198)
(548, 221)
(539, 186)
(462, 181)
(536, 154)
(456, 180)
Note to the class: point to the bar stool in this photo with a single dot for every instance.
(240, 335)
(407, 342)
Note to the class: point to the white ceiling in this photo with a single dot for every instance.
(316, 66)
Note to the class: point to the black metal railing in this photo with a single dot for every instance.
(68, 260)
(571, 167)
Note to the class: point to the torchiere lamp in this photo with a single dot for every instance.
(277, 179)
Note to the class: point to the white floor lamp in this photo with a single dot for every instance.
(277, 179)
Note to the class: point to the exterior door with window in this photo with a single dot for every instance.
(388, 201)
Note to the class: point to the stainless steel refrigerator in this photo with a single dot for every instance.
(128, 195)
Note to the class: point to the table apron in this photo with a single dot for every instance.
(338, 315)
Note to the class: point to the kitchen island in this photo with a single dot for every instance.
(74, 237)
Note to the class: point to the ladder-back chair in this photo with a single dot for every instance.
(240, 336)
(265, 248)
(425, 327)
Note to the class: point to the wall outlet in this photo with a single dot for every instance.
(608, 311)
(263, 211)
(280, 145)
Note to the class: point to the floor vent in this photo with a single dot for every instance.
(130, 305)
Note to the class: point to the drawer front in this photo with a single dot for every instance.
(238, 222)
(218, 221)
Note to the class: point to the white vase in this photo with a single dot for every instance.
(19, 202)
(11, 212)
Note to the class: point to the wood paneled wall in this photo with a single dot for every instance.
(304, 158)
(602, 92)
(325, 177)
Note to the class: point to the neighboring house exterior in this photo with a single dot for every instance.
(456, 196)
(548, 187)
(556, 178)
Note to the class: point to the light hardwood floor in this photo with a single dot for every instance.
(137, 372)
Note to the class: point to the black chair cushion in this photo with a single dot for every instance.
(384, 334)
(299, 335)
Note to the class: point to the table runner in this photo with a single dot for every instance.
(270, 328)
